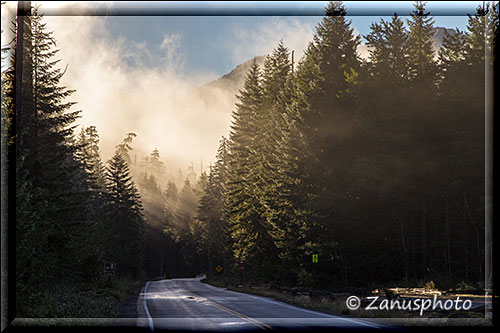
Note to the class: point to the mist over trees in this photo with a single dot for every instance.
(375, 165)
(72, 211)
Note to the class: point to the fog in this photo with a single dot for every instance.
(151, 102)
(158, 103)
(118, 93)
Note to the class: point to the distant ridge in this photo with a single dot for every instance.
(237, 74)
(228, 85)
(363, 49)
(439, 36)
(223, 90)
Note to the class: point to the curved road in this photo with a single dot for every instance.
(188, 304)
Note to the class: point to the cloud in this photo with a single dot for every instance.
(119, 96)
(8, 16)
(364, 51)
(170, 41)
(124, 86)
(261, 40)
(296, 34)
(171, 45)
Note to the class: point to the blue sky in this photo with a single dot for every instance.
(206, 41)
(133, 64)
(215, 36)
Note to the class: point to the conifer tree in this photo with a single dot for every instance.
(153, 200)
(464, 80)
(125, 218)
(388, 43)
(265, 159)
(93, 174)
(185, 207)
(185, 229)
(171, 195)
(124, 147)
(420, 49)
(53, 203)
(153, 165)
(211, 215)
(293, 217)
(46, 139)
(88, 153)
(328, 77)
(241, 205)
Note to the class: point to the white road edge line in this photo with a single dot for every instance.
(151, 325)
(357, 321)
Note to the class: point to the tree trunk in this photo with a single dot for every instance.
(161, 264)
(403, 245)
(423, 237)
(412, 243)
(447, 239)
(478, 242)
(23, 75)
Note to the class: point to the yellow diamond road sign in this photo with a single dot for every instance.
(218, 268)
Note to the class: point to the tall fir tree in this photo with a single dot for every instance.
(328, 77)
(241, 206)
(93, 174)
(210, 213)
(421, 51)
(125, 218)
(53, 224)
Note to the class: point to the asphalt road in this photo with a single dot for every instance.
(188, 304)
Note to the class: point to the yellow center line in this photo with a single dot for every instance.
(233, 312)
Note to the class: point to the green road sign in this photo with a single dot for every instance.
(315, 258)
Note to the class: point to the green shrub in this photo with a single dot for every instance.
(430, 285)
(71, 299)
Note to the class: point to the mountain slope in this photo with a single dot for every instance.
(220, 94)
(364, 49)
(223, 90)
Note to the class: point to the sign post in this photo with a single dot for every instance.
(109, 271)
(315, 261)
(242, 268)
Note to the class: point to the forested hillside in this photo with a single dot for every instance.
(70, 211)
(376, 165)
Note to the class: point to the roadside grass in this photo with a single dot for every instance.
(438, 282)
(337, 305)
(69, 299)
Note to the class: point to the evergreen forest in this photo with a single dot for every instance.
(377, 166)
